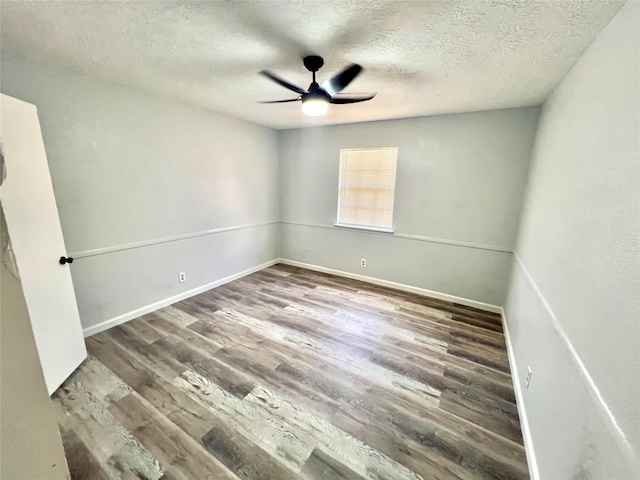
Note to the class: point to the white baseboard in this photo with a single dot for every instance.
(522, 413)
(398, 286)
(125, 317)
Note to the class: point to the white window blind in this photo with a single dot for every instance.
(367, 187)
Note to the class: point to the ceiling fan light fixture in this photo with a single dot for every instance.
(315, 107)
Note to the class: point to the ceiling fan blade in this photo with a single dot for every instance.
(282, 101)
(350, 99)
(282, 82)
(338, 82)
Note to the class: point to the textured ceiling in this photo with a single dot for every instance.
(422, 57)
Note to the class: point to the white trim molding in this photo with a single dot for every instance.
(125, 317)
(363, 227)
(214, 231)
(601, 406)
(394, 234)
(398, 286)
(522, 413)
(175, 238)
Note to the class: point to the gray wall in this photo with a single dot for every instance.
(459, 186)
(573, 309)
(29, 435)
(129, 167)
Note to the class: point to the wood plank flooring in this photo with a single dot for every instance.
(290, 373)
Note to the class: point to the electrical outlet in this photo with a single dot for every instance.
(182, 277)
(529, 373)
(363, 262)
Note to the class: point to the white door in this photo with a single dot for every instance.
(36, 237)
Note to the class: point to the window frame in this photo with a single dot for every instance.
(356, 226)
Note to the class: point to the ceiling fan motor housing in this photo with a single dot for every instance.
(313, 63)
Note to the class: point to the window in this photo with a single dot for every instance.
(367, 187)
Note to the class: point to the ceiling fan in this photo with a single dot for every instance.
(316, 100)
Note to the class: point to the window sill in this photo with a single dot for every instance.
(364, 227)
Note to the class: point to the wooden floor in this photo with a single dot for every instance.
(289, 373)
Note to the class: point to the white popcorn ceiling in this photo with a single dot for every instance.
(422, 57)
